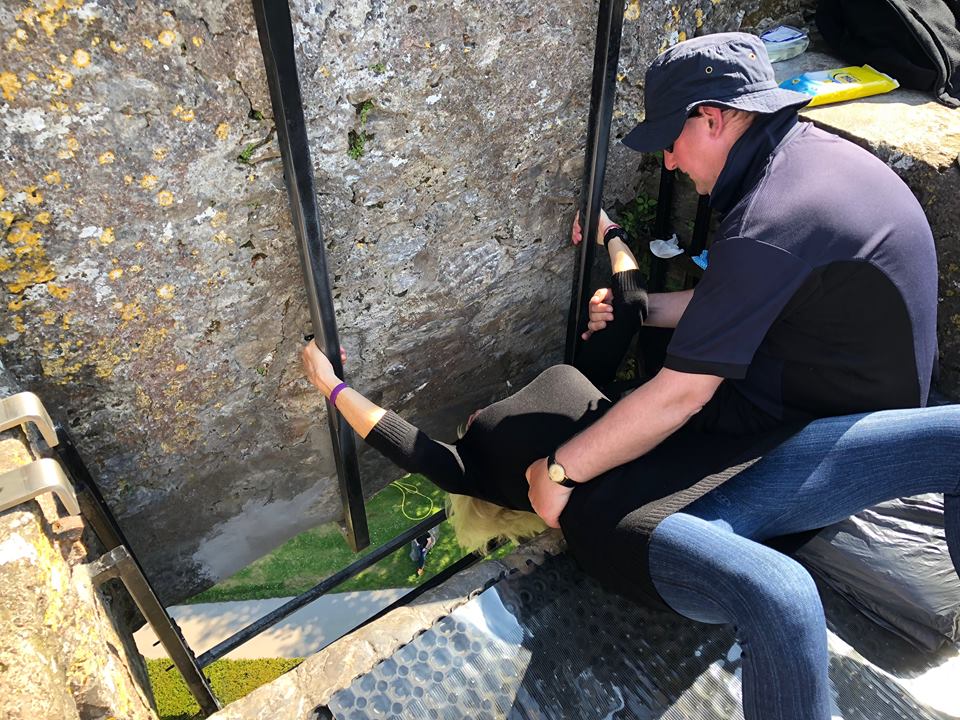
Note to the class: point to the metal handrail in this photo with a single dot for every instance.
(276, 41)
(606, 56)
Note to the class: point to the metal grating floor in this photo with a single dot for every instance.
(551, 644)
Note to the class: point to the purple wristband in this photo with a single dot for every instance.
(336, 391)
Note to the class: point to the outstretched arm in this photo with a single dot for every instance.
(384, 430)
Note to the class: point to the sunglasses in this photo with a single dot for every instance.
(693, 113)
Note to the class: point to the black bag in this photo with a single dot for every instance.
(917, 42)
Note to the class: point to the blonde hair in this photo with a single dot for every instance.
(476, 522)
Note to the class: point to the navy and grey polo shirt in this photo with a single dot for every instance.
(820, 296)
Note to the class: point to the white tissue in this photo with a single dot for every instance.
(666, 248)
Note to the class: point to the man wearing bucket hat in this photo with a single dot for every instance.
(819, 300)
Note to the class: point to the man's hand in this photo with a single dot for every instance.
(548, 498)
(599, 312)
(576, 234)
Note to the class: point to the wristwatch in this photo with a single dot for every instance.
(614, 231)
(556, 473)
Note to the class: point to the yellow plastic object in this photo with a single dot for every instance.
(847, 83)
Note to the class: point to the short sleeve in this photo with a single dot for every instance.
(746, 286)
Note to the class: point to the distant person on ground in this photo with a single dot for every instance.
(419, 548)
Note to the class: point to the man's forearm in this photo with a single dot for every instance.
(636, 424)
(666, 309)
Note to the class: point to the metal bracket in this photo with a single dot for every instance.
(118, 563)
(26, 407)
(27, 481)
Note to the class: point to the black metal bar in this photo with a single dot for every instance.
(119, 563)
(662, 225)
(96, 511)
(92, 505)
(437, 580)
(323, 587)
(276, 41)
(605, 58)
(701, 229)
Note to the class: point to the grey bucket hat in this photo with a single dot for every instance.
(730, 70)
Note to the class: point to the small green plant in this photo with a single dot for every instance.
(639, 214)
(357, 140)
(379, 68)
(363, 111)
(244, 157)
(256, 115)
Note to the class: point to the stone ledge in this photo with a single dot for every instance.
(901, 127)
(297, 694)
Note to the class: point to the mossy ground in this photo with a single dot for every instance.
(230, 680)
(306, 559)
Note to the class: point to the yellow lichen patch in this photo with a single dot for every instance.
(81, 58)
(127, 179)
(219, 218)
(15, 41)
(165, 292)
(15, 305)
(10, 86)
(632, 11)
(148, 181)
(138, 245)
(147, 43)
(323, 71)
(53, 178)
(167, 38)
(698, 15)
(49, 317)
(136, 269)
(180, 367)
(129, 311)
(223, 131)
(681, 36)
(18, 324)
(69, 150)
(197, 40)
(106, 158)
(7, 217)
(3, 193)
(60, 293)
(33, 196)
(184, 114)
(32, 78)
(160, 154)
(115, 274)
(221, 238)
(67, 319)
(164, 198)
(675, 11)
(42, 218)
(59, 106)
(61, 78)
(117, 47)
(107, 237)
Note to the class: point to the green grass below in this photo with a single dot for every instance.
(230, 680)
(308, 558)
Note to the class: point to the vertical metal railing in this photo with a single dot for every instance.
(276, 41)
(603, 89)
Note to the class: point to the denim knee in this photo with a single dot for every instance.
(784, 592)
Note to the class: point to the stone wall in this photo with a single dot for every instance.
(149, 269)
(66, 651)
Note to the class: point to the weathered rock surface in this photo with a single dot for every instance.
(149, 269)
(64, 651)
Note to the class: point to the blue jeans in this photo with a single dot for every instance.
(707, 565)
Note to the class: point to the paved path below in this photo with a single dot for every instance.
(302, 634)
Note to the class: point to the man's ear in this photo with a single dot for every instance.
(715, 119)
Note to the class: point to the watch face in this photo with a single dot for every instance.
(556, 472)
